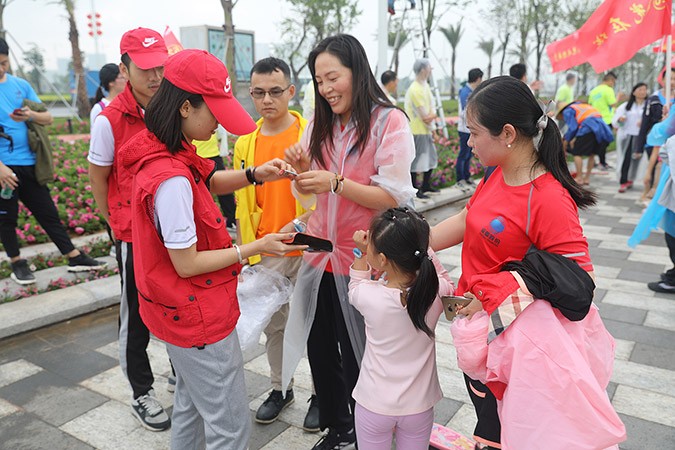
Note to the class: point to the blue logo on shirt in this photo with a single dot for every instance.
(495, 227)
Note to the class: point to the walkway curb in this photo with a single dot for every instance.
(38, 311)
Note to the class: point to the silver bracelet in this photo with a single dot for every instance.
(236, 247)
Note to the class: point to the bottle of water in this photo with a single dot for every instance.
(7, 192)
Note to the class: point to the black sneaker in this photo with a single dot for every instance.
(21, 273)
(431, 190)
(334, 440)
(269, 411)
(311, 423)
(661, 286)
(150, 413)
(84, 262)
(421, 195)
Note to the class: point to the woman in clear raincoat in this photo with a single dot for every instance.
(353, 161)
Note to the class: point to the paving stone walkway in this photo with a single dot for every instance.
(61, 386)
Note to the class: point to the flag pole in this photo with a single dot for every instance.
(669, 55)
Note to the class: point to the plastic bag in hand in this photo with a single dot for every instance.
(261, 292)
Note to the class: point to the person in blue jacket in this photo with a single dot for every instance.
(586, 135)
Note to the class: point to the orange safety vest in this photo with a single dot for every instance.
(583, 111)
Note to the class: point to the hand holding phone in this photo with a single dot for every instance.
(290, 173)
(452, 304)
(18, 112)
(314, 243)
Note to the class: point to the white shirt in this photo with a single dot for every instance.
(102, 144)
(631, 126)
(174, 217)
(96, 109)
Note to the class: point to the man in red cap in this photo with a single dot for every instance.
(143, 55)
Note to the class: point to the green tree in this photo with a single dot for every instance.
(33, 56)
(574, 13)
(488, 47)
(545, 23)
(310, 22)
(82, 101)
(453, 34)
(3, 5)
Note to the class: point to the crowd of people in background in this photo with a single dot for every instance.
(346, 170)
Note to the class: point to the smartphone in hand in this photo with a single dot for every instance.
(452, 305)
(18, 112)
(314, 243)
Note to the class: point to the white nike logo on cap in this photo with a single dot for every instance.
(149, 41)
(228, 85)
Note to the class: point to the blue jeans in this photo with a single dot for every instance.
(464, 158)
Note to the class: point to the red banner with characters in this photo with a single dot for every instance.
(567, 52)
(625, 27)
(612, 34)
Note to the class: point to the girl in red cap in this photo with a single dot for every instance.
(186, 264)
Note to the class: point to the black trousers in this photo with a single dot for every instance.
(331, 359)
(627, 160)
(39, 201)
(488, 429)
(226, 201)
(133, 334)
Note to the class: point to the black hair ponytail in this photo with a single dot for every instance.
(506, 100)
(422, 294)
(552, 157)
(99, 96)
(402, 236)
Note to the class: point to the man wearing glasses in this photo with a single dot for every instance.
(271, 208)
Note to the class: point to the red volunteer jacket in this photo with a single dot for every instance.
(187, 312)
(127, 119)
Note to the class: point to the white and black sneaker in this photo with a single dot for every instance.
(84, 263)
(21, 273)
(150, 413)
(334, 440)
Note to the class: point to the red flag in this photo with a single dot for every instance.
(172, 43)
(567, 52)
(664, 43)
(619, 28)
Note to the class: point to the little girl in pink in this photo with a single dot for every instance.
(398, 383)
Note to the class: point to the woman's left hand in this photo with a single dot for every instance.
(472, 308)
(316, 181)
(272, 170)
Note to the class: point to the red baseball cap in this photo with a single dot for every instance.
(145, 47)
(199, 72)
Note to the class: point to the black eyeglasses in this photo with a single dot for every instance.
(274, 92)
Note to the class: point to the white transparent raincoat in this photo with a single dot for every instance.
(384, 162)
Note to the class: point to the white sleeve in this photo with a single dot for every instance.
(95, 111)
(174, 217)
(102, 145)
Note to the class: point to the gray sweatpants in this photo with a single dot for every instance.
(210, 406)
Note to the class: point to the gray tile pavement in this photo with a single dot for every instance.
(60, 387)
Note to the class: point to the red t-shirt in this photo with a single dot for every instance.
(497, 231)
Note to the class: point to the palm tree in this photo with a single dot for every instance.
(229, 41)
(453, 34)
(83, 106)
(488, 47)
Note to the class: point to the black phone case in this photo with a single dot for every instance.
(315, 244)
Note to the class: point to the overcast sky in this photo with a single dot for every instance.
(43, 22)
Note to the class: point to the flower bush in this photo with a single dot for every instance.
(68, 126)
(445, 174)
(71, 193)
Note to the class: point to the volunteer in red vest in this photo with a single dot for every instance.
(143, 55)
(586, 135)
(186, 263)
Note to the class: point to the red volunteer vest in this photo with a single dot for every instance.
(126, 119)
(187, 312)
